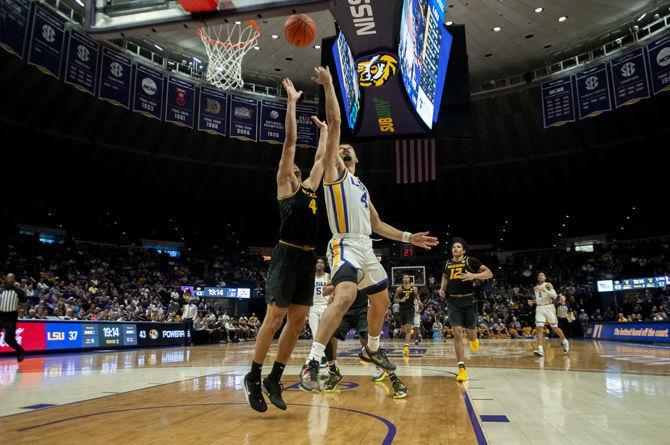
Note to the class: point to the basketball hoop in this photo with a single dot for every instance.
(226, 45)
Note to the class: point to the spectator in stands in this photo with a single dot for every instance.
(437, 327)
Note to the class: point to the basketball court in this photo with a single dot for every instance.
(598, 393)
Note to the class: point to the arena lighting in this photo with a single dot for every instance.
(642, 17)
(317, 46)
(275, 36)
(257, 48)
(497, 29)
(159, 48)
(538, 10)
(449, 23)
(562, 18)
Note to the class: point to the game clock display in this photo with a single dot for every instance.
(111, 335)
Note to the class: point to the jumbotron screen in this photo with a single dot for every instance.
(424, 48)
(348, 77)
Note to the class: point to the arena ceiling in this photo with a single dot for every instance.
(527, 39)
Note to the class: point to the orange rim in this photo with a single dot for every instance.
(257, 34)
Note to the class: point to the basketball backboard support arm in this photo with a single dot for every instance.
(110, 19)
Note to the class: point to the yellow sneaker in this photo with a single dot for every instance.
(405, 351)
(462, 375)
(474, 345)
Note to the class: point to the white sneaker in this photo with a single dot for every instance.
(566, 345)
(539, 352)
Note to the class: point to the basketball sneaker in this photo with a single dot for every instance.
(334, 377)
(399, 388)
(566, 345)
(539, 351)
(378, 358)
(474, 345)
(380, 375)
(254, 394)
(405, 351)
(273, 390)
(309, 377)
(462, 374)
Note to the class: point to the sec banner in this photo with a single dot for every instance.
(114, 81)
(212, 111)
(593, 91)
(659, 61)
(148, 97)
(243, 118)
(14, 16)
(46, 42)
(180, 102)
(629, 78)
(273, 116)
(308, 132)
(81, 62)
(558, 104)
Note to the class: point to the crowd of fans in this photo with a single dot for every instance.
(88, 281)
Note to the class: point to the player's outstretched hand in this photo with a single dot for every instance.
(321, 124)
(292, 93)
(322, 75)
(422, 239)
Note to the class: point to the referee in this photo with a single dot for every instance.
(10, 297)
(562, 315)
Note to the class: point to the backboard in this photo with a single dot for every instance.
(108, 19)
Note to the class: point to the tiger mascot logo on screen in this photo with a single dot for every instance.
(376, 69)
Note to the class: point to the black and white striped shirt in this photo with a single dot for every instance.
(10, 298)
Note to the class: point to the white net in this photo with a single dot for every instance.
(226, 45)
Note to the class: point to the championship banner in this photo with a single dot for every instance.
(82, 62)
(14, 15)
(115, 73)
(558, 104)
(273, 116)
(308, 132)
(629, 78)
(593, 91)
(180, 102)
(46, 42)
(243, 118)
(659, 61)
(148, 87)
(212, 111)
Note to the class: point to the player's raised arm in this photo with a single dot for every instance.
(331, 160)
(287, 182)
(420, 239)
(317, 169)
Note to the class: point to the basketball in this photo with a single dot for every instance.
(299, 30)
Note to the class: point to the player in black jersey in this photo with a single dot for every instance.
(458, 286)
(355, 318)
(405, 296)
(289, 288)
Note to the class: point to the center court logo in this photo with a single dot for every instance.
(83, 53)
(116, 69)
(149, 86)
(48, 33)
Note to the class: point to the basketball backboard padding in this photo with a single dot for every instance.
(198, 5)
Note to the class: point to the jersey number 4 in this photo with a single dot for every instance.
(312, 205)
(456, 273)
(364, 199)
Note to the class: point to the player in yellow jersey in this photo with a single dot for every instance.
(352, 218)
